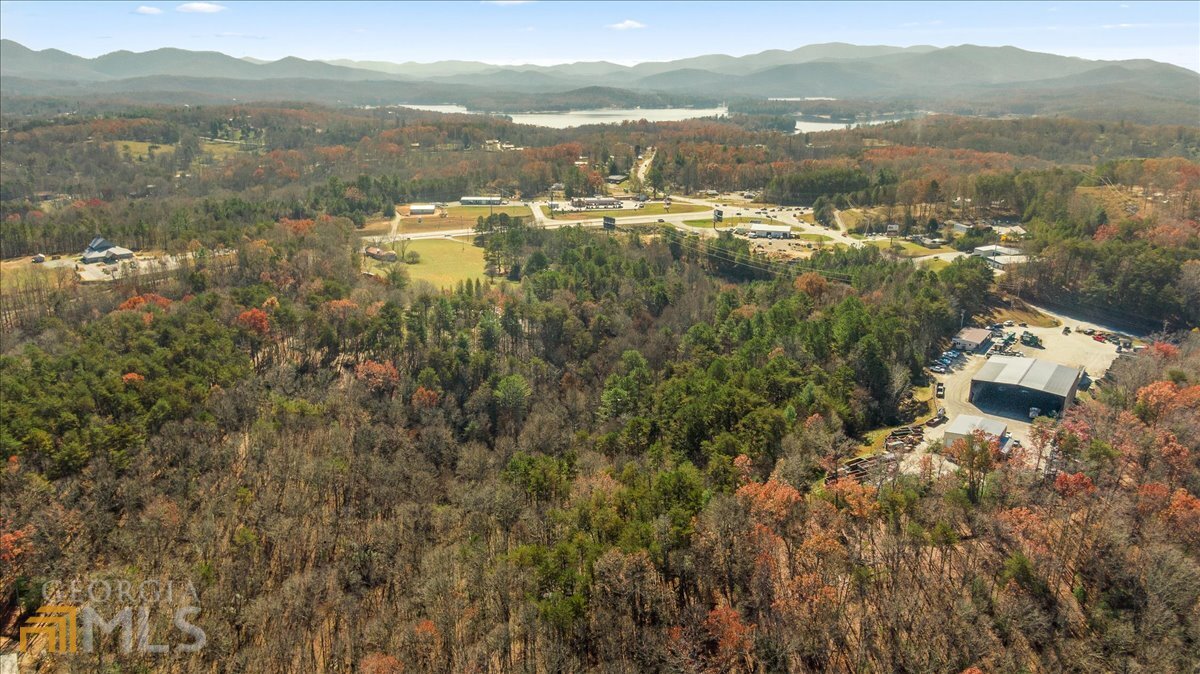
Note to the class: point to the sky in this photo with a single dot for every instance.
(544, 33)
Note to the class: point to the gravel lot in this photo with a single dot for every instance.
(1074, 350)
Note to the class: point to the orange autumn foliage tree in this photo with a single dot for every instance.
(256, 321)
(138, 301)
(379, 377)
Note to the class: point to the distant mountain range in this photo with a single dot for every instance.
(925, 74)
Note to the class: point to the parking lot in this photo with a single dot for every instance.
(1074, 350)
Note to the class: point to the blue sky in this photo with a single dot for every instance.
(622, 32)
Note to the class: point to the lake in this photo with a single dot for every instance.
(804, 126)
(564, 120)
(568, 119)
(436, 108)
(572, 118)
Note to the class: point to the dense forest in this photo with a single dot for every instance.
(623, 452)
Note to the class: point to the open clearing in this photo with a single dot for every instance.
(140, 150)
(457, 217)
(376, 226)
(727, 223)
(444, 262)
(648, 209)
(1018, 312)
(1117, 202)
(21, 272)
(935, 264)
(908, 248)
(474, 212)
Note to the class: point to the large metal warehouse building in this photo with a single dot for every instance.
(1021, 383)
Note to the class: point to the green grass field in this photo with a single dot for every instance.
(732, 222)
(908, 248)
(805, 236)
(140, 150)
(444, 262)
(649, 209)
(473, 212)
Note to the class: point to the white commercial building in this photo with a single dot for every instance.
(422, 209)
(759, 230)
(1000, 257)
(481, 201)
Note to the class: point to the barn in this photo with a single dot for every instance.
(422, 209)
(1014, 385)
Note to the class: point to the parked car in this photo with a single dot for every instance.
(1034, 412)
(941, 390)
(938, 369)
(1098, 338)
(1089, 332)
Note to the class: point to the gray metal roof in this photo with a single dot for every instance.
(1030, 373)
(965, 424)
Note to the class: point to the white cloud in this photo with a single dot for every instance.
(143, 9)
(627, 24)
(200, 8)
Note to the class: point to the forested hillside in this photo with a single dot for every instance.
(615, 451)
(628, 444)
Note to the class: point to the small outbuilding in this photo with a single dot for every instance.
(422, 209)
(966, 424)
(381, 254)
(970, 339)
